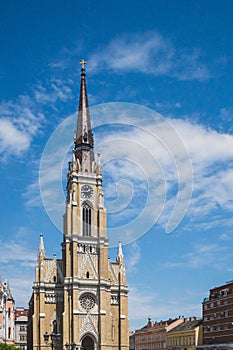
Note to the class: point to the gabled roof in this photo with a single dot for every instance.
(187, 325)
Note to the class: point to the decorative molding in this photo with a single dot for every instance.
(89, 327)
(114, 300)
(52, 298)
(112, 271)
(88, 258)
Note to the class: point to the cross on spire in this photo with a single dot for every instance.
(83, 62)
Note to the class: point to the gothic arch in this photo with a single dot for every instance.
(88, 342)
(87, 218)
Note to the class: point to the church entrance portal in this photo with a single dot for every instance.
(88, 343)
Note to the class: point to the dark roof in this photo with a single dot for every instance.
(157, 324)
(187, 325)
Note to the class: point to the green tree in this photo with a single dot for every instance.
(4, 346)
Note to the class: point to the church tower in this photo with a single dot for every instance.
(83, 297)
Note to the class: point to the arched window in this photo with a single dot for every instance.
(87, 214)
(55, 326)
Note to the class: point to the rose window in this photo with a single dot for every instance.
(87, 302)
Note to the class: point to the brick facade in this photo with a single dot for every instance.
(217, 311)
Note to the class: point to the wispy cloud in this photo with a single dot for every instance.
(144, 303)
(133, 257)
(202, 255)
(211, 156)
(22, 120)
(19, 122)
(150, 53)
(149, 164)
(56, 90)
(17, 249)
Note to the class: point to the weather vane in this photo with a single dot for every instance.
(83, 62)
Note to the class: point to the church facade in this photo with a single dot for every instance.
(81, 300)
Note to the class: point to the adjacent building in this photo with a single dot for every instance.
(153, 336)
(21, 322)
(132, 341)
(6, 314)
(186, 336)
(81, 300)
(217, 310)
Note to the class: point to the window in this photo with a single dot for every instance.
(225, 292)
(55, 326)
(87, 213)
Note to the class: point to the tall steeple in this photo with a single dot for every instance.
(83, 137)
(84, 294)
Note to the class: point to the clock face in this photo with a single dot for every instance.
(87, 191)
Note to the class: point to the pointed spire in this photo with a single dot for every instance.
(83, 139)
(120, 256)
(83, 132)
(41, 250)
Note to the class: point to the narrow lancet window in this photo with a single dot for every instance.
(87, 214)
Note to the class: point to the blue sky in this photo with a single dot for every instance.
(163, 70)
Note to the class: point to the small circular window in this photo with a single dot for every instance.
(87, 302)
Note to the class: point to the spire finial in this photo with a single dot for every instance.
(83, 62)
(120, 258)
(41, 250)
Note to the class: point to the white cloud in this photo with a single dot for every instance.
(21, 289)
(150, 53)
(56, 90)
(211, 155)
(133, 257)
(21, 121)
(17, 260)
(12, 250)
(12, 140)
(203, 255)
(155, 160)
(32, 195)
(144, 304)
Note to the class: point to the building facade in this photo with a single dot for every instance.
(6, 314)
(132, 341)
(217, 311)
(154, 335)
(83, 297)
(186, 336)
(21, 323)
